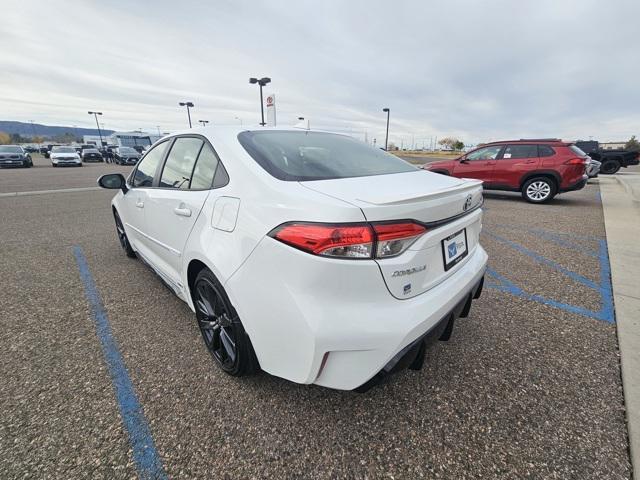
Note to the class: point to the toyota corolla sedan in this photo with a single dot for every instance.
(306, 254)
(61, 156)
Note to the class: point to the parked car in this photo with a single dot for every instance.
(43, 151)
(593, 167)
(61, 156)
(539, 168)
(612, 160)
(47, 152)
(126, 156)
(14, 156)
(91, 155)
(310, 255)
(30, 149)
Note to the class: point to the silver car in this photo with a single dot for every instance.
(592, 167)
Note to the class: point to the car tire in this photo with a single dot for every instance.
(609, 167)
(221, 328)
(122, 237)
(539, 190)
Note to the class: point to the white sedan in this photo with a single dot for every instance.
(61, 156)
(309, 255)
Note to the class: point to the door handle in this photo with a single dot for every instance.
(139, 204)
(530, 161)
(183, 212)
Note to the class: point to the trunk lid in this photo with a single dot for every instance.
(440, 202)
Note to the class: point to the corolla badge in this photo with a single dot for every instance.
(408, 271)
(467, 203)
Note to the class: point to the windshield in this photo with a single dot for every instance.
(577, 151)
(90, 150)
(10, 149)
(127, 150)
(63, 150)
(300, 156)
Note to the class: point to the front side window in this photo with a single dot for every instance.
(303, 155)
(520, 151)
(179, 165)
(486, 153)
(147, 167)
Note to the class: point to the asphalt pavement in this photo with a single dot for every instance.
(528, 386)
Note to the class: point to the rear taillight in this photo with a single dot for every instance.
(576, 161)
(394, 238)
(358, 240)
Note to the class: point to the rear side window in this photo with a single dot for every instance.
(520, 151)
(303, 155)
(179, 165)
(205, 169)
(147, 167)
(546, 151)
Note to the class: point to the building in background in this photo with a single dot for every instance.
(613, 145)
(124, 139)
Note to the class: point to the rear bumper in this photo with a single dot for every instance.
(412, 356)
(576, 186)
(334, 323)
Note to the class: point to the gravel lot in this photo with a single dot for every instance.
(528, 387)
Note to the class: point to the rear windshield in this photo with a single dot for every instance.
(577, 151)
(300, 156)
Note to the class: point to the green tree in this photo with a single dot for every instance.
(458, 145)
(633, 145)
(450, 142)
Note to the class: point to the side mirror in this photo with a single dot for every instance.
(113, 181)
(463, 159)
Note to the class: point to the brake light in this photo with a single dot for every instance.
(576, 161)
(350, 240)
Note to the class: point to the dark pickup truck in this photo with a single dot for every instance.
(612, 160)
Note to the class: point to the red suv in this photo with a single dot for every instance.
(539, 169)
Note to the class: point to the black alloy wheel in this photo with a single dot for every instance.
(122, 237)
(221, 329)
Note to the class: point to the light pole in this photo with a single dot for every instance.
(158, 127)
(386, 139)
(33, 129)
(203, 122)
(188, 105)
(95, 114)
(240, 120)
(262, 82)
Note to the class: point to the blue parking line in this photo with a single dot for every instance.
(145, 455)
(606, 312)
(540, 259)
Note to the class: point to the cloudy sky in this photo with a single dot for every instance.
(479, 70)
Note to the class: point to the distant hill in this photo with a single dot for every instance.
(26, 130)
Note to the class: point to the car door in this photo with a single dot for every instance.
(174, 205)
(515, 161)
(478, 164)
(133, 203)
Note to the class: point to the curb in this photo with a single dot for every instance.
(633, 192)
(622, 226)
